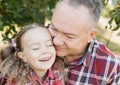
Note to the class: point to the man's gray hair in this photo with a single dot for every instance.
(94, 6)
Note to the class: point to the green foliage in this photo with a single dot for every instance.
(22, 12)
(105, 11)
(105, 2)
(115, 15)
(112, 46)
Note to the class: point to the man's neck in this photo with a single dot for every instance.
(69, 59)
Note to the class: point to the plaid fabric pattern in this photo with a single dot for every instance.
(2, 81)
(53, 78)
(99, 67)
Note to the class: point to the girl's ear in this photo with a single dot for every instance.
(21, 56)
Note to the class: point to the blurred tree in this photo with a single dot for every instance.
(22, 12)
(115, 16)
(105, 2)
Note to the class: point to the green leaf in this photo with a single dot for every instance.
(116, 28)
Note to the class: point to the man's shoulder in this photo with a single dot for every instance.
(102, 52)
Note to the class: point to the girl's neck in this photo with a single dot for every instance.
(42, 74)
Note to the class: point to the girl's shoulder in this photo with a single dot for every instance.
(56, 77)
(59, 64)
(58, 67)
(3, 80)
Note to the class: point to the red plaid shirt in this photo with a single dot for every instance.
(53, 78)
(99, 66)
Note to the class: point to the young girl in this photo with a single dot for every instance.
(31, 61)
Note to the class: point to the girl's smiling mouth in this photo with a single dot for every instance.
(45, 59)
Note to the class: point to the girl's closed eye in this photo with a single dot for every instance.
(35, 47)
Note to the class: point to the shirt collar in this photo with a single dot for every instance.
(77, 61)
(86, 58)
(51, 75)
(92, 50)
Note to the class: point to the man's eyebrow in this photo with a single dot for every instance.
(68, 34)
(53, 26)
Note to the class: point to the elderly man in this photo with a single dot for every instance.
(73, 28)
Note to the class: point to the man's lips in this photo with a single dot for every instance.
(45, 59)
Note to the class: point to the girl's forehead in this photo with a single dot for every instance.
(36, 31)
(36, 35)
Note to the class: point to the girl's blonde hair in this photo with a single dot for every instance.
(14, 67)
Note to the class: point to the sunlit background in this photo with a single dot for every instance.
(15, 13)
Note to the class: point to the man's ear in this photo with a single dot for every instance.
(21, 56)
(92, 34)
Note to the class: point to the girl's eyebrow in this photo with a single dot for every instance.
(39, 43)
